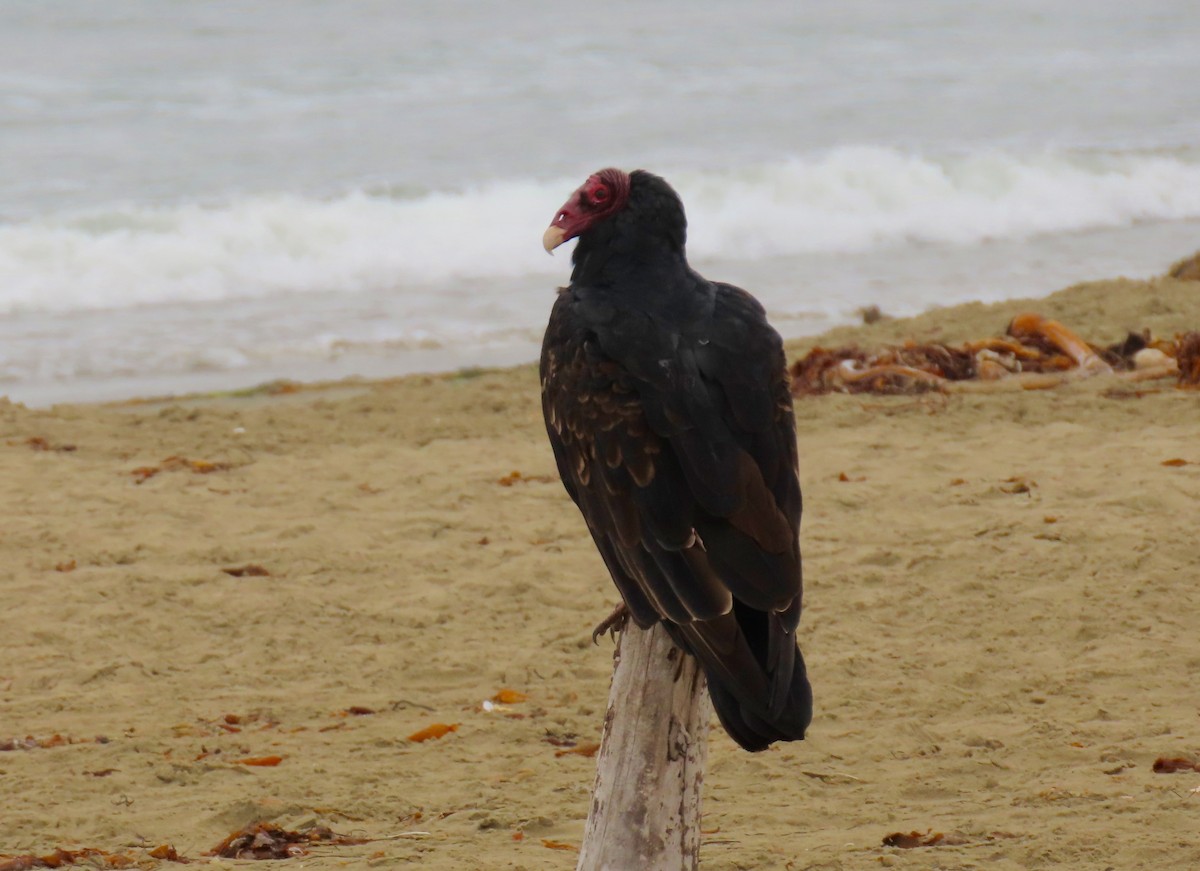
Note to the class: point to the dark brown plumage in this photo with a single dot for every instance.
(667, 405)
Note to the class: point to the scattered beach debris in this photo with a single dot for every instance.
(1170, 765)
(55, 740)
(90, 855)
(912, 840)
(175, 463)
(269, 841)
(66, 566)
(930, 838)
(1036, 353)
(499, 701)
(269, 388)
(405, 704)
(229, 724)
(1017, 484)
(250, 570)
(260, 761)
(355, 711)
(515, 477)
(558, 845)
(167, 853)
(433, 731)
(587, 750)
(561, 739)
(257, 841)
(509, 697)
(39, 443)
(56, 859)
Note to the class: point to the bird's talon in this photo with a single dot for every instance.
(612, 624)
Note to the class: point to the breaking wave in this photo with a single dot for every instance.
(847, 200)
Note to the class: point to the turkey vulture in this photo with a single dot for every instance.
(667, 404)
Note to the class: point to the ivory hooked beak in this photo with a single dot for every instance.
(552, 238)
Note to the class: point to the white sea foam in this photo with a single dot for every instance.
(856, 199)
(269, 245)
(849, 200)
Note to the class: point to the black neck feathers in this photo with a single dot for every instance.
(645, 240)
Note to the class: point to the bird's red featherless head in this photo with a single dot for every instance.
(604, 193)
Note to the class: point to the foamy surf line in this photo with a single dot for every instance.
(848, 200)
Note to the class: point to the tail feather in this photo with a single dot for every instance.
(756, 704)
(751, 725)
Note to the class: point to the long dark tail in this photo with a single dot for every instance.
(755, 729)
(756, 676)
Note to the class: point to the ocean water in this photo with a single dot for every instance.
(208, 195)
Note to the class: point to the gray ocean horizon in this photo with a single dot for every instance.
(203, 196)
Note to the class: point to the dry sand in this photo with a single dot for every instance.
(1002, 603)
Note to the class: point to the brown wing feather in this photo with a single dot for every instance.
(608, 456)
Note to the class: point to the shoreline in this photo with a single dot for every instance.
(349, 370)
(969, 321)
(799, 293)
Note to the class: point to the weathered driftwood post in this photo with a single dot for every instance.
(645, 813)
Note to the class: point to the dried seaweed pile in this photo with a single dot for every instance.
(1037, 352)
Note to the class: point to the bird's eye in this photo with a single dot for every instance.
(600, 194)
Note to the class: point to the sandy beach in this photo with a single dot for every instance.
(1000, 623)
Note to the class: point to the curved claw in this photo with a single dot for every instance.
(612, 624)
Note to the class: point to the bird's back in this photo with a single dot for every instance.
(671, 422)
